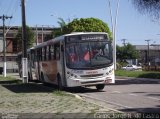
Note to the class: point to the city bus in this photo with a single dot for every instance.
(73, 60)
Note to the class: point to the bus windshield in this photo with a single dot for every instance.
(86, 55)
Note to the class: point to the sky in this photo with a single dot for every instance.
(131, 25)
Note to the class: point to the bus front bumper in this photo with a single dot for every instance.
(89, 82)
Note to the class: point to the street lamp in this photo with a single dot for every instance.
(148, 53)
(114, 28)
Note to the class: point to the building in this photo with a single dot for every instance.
(11, 50)
(154, 54)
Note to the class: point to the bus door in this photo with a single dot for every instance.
(39, 58)
(33, 69)
(62, 57)
(29, 65)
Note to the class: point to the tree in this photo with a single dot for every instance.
(61, 22)
(151, 7)
(126, 52)
(59, 31)
(87, 25)
(29, 36)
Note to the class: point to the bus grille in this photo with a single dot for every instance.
(93, 75)
(92, 82)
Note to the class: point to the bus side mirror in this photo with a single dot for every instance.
(62, 48)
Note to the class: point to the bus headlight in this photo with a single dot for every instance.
(110, 72)
(68, 72)
(107, 73)
(72, 75)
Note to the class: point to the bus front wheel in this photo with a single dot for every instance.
(100, 87)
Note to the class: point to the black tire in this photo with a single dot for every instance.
(42, 77)
(60, 87)
(29, 77)
(100, 87)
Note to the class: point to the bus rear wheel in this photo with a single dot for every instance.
(100, 87)
(29, 77)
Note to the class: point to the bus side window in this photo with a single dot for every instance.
(39, 54)
(57, 52)
(32, 58)
(36, 56)
(44, 54)
(49, 52)
(52, 52)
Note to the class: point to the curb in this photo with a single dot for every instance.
(80, 98)
(117, 111)
(76, 96)
(144, 79)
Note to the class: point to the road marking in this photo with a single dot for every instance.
(153, 98)
(133, 94)
(116, 92)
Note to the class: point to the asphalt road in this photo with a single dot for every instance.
(127, 95)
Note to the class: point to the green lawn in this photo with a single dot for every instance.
(6, 78)
(138, 74)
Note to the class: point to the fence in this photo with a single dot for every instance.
(151, 68)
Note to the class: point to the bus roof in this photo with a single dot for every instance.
(81, 33)
(61, 38)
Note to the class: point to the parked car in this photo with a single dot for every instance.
(132, 67)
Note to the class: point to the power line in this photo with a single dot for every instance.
(14, 11)
(9, 6)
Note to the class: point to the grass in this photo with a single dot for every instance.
(138, 74)
(7, 78)
(61, 93)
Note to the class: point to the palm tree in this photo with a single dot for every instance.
(61, 23)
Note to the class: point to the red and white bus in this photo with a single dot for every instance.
(72, 60)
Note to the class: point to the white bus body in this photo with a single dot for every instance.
(64, 60)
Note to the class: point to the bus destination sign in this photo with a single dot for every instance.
(87, 38)
(93, 37)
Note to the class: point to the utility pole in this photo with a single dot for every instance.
(24, 45)
(148, 53)
(124, 42)
(42, 34)
(4, 43)
(36, 35)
